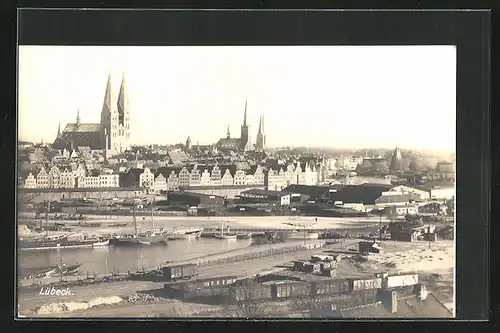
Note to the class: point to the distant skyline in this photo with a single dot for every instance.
(317, 96)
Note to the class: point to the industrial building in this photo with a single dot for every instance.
(198, 200)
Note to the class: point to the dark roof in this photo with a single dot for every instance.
(364, 193)
(312, 191)
(407, 307)
(194, 194)
(395, 198)
(82, 128)
(84, 135)
(230, 143)
(257, 191)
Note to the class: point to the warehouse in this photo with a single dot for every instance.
(191, 199)
(258, 195)
(366, 194)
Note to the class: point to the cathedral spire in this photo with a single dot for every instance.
(59, 130)
(260, 125)
(78, 118)
(122, 96)
(228, 134)
(245, 114)
(108, 95)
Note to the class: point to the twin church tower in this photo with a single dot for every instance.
(111, 135)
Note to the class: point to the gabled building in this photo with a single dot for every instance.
(146, 179)
(30, 181)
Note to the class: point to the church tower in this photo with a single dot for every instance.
(115, 119)
(261, 137)
(244, 128)
(228, 133)
(396, 160)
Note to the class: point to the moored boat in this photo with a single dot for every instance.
(227, 235)
(63, 243)
(244, 236)
(185, 233)
(149, 237)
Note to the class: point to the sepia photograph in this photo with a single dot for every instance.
(236, 182)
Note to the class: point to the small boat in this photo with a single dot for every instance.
(244, 236)
(228, 235)
(303, 235)
(115, 225)
(63, 243)
(69, 270)
(185, 233)
(42, 273)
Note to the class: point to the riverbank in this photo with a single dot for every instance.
(242, 222)
(204, 260)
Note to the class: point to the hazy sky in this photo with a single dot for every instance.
(329, 96)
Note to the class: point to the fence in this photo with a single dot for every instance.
(260, 254)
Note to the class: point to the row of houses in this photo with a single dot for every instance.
(66, 178)
(277, 179)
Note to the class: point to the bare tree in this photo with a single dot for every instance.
(249, 300)
(177, 310)
(310, 304)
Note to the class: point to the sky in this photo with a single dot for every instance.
(318, 96)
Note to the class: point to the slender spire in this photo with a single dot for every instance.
(245, 115)
(78, 117)
(260, 125)
(228, 134)
(108, 95)
(59, 130)
(122, 96)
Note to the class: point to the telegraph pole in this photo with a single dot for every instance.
(380, 226)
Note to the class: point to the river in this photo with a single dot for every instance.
(126, 258)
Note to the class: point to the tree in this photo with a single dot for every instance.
(177, 310)
(310, 304)
(249, 302)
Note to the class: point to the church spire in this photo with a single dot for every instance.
(245, 114)
(228, 134)
(122, 96)
(59, 130)
(78, 118)
(108, 95)
(260, 125)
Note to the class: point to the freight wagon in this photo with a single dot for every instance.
(209, 287)
(365, 284)
(185, 271)
(290, 290)
(330, 287)
(398, 281)
(257, 291)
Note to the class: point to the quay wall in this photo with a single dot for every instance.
(260, 254)
(41, 195)
(229, 192)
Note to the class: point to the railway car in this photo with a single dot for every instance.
(330, 287)
(177, 272)
(210, 287)
(257, 291)
(399, 281)
(290, 290)
(365, 284)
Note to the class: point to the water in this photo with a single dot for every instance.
(127, 258)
